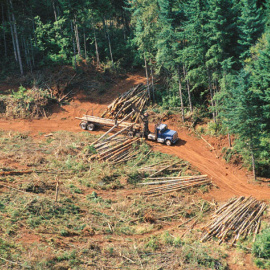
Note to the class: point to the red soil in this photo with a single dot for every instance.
(230, 180)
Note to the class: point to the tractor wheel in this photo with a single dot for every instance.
(91, 127)
(168, 142)
(83, 125)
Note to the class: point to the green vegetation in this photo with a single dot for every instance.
(211, 61)
(261, 249)
(212, 56)
(84, 226)
(25, 103)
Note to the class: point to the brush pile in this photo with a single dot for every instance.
(26, 103)
(117, 150)
(171, 184)
(137, 97)
(238, 217)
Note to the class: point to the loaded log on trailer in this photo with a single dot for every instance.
(162, 134)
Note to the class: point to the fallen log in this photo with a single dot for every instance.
(238, 217)
(177, 179)
(15, 173)
(163, 169)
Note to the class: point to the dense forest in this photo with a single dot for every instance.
(213, 56)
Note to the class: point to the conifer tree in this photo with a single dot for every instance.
(259, 68)
(251, 26)
(195, 44)
(168, 45)
(240, 112)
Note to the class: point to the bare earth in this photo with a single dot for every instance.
(229, 179)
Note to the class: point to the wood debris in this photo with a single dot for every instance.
(137, 97)
(238, 217)
(171, 184)
(6, 173)
(159, 168)
(117, 150)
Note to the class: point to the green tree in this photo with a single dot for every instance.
(251, 26)
(241, 113)
(259, 68)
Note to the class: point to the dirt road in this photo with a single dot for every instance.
(229, 179)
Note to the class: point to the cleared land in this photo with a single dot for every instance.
(79, 213)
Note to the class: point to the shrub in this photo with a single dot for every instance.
(261, 249)
(26, 103)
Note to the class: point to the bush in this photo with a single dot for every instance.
(26, 103)
(261, 249)
(215, 129)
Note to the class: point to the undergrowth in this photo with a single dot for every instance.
(98, 217)
(26, 103)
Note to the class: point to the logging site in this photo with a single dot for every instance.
(135, 135)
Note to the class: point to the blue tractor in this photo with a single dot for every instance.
(163, 135)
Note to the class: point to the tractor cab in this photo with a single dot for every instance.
(164, 135)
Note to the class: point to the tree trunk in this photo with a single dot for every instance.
(146, 73)
(16, 38)
(211, 96)
(32, 52)
(34, 32)
(253, 164)
(29, 56)
(215, 102)
(229, 139)
(96, 45)
(109, 40)
(85, 51)
(4, 33)
(13, 39)
(54, 10)
(25, 51)
(188, 88)
(76, 31)
(74, 47)
(152, 76)
(181, 95)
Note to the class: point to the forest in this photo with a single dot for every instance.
(212, 57)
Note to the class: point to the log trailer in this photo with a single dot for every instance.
(162, 134)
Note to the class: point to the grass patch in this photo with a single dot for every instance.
(98, 205)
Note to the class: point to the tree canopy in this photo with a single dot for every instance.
(211, 53)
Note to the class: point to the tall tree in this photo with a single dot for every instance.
(240, 112)
(222, 34)
(251, 26)
(16, 38)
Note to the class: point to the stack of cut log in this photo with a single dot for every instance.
(159, 168)
(137, 97)
(171, 184)
(238, 217)
(116, 150)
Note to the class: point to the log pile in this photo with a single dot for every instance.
(171, 184)
(159, 168)
(137, 97)
(116, 150)
(238, 217)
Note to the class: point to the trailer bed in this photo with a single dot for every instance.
(102, 121)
